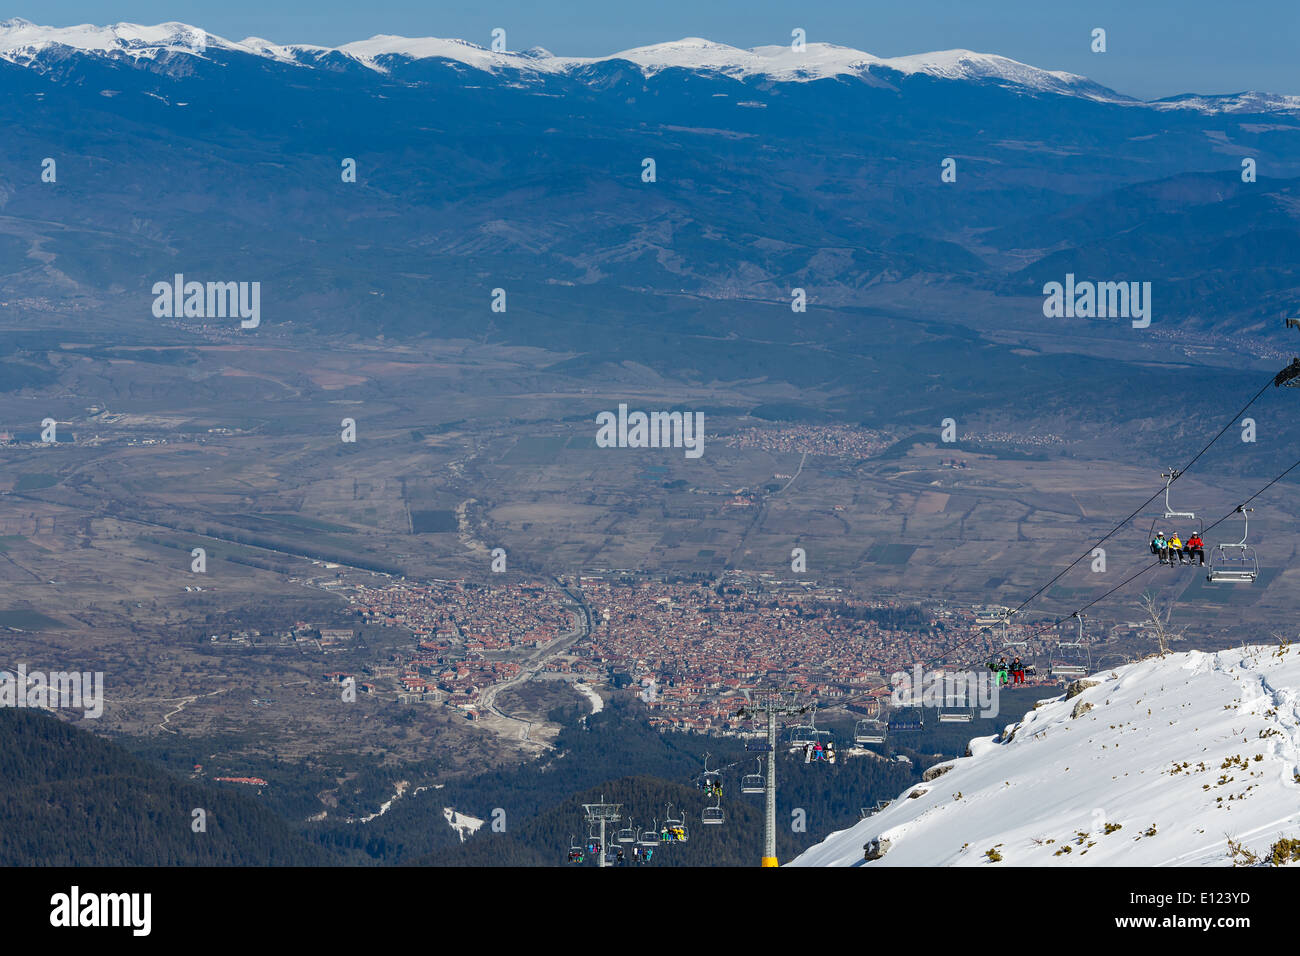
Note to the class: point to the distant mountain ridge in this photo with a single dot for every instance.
(29, 44)
(828, 171)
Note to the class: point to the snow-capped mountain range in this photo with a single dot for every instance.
(826, 166)
(25, 43)
(1157, 763)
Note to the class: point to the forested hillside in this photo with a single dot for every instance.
(542, 799)
(69, 798)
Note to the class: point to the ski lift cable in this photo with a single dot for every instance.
(1176, 474)
(1080, 610)
(1211, 527)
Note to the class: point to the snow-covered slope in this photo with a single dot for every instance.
(28, 44)
(1182, 753)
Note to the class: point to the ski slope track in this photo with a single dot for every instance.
(1201, 747)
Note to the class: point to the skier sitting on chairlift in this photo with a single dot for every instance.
(1161, 547)
(1176, 550)
(1017, 671)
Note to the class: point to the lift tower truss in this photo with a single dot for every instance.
(601, 814)
(771, 704)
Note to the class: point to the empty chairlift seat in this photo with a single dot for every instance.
(870, 729)
(869, 732)
(956, 715)
(1071, 659)
(1235, 563)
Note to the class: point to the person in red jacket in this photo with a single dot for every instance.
(1195, 547)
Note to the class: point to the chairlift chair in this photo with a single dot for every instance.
(805, 734)
(650, 837)
(954, 709)
(1006, 641)
(1161, 522)
(907, 719)
(675, 826)
(577, 853)
(709, 779)
(869, 732)
(753, 782)
(627, 834)
(802, 735)
(1071, 659)
(1235, 563)
(822, 741)
(956, 715)
(712, 815)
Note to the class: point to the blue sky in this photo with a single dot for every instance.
(1155, 47)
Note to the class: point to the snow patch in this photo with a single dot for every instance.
(1176, 755)
(461, 823)
(597, 703)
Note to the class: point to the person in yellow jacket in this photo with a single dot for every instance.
(1176, 549)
